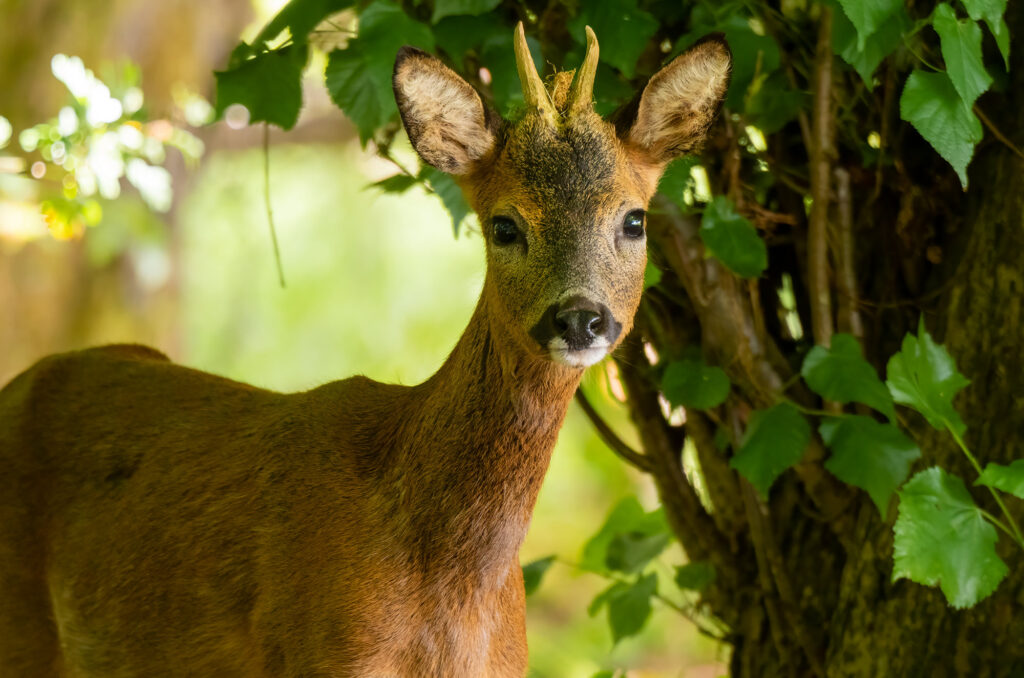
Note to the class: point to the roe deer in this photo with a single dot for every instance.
(159, 521)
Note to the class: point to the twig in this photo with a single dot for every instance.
(996, 133)
(610, 438)
(846, 278)
(821, 152)
(266, 199)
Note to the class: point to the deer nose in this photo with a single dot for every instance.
(579, 321)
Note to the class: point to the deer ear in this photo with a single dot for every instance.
(679, 103)
(444, 116)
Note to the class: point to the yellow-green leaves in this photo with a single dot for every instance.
(870, 455)
(961, 49)
(774, 441)
(840, 373)
(629, 605)
(627, 525)
(942, 537)
(923, 376)
(534, 572)
(1006, 478)
(732, 239)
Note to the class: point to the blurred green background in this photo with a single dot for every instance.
(376, 285)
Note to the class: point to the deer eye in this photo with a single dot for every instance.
(633, 225)
(504, 231)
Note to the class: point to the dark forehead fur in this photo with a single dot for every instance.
(568, 164)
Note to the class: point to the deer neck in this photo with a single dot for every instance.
(478, 448)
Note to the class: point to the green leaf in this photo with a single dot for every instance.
(877, 46)
(1006, 478)
(459, 35)
(630, 552)
(652, 275)
(449, 193)
(924, 376)
(774, 441)
(695, 576)
(676, 180)
(991, 11)
(268, 85)
(841, 374)
(398, 183)
(623, 28)
(732, 239)
(868, 16)
(300, 17)
(961, 49)
(629, 605)
(443, 8)
(870, 455)
(534, 572)
(932, 105)
(358, 78)
(627, 517)
(942, 537)
(498, 53)
(771, 102)
(691, 383)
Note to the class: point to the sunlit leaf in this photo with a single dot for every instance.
(627, 517)
(840, 373)
(961, 49)
(1006, 478)
(868, 16)
(942, 538)
(932, 105)
(877, 46)
(534, 572)
(268, 85)
(991, 11)
(630, 552)
(691, 383)
(676, 180)
(398, 183)
(924, 376)
(870, 455)
(629, 605)
(775, 440)
(300, 17)
(732, 239)
(695, 576)
(622, 27)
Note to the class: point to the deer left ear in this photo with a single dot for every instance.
(444, 116)
(679, 103)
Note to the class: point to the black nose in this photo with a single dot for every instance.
(579, 321)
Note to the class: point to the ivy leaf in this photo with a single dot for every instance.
(924, 376)
(877, 46)
(991, 11)
(961, 49)
(629, 605)
(870, 455)
(630, 552)
(358, 77)
(942, 537)
(1006, 478)
(268, 85)
(774, 441)
(449, 193)
(300, 17)
(868, 16)
(732, 239)
(695, 576)
(841, 374)
(443, 8)
(623, 27)
(691, 383)
(627, 517)
(534, 572)
(932, 105)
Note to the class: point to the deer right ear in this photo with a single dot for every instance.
(443, 115)
(679, 102)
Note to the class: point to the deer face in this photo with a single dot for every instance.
(561, 194)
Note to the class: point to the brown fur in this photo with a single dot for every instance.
(159, 521)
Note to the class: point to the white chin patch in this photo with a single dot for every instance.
(584, 357)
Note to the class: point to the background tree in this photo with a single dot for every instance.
(816, 224)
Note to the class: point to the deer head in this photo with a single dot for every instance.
(561, 193)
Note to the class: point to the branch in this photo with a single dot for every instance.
(266, 199)
(821, 153)
(996, 133)
(846, 279)
(613, 441)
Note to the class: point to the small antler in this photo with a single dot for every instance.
(534, 92)
(581, 96)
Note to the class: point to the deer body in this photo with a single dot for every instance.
(160, 521)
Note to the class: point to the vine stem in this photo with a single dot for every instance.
(995, 495)
(266, 200)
